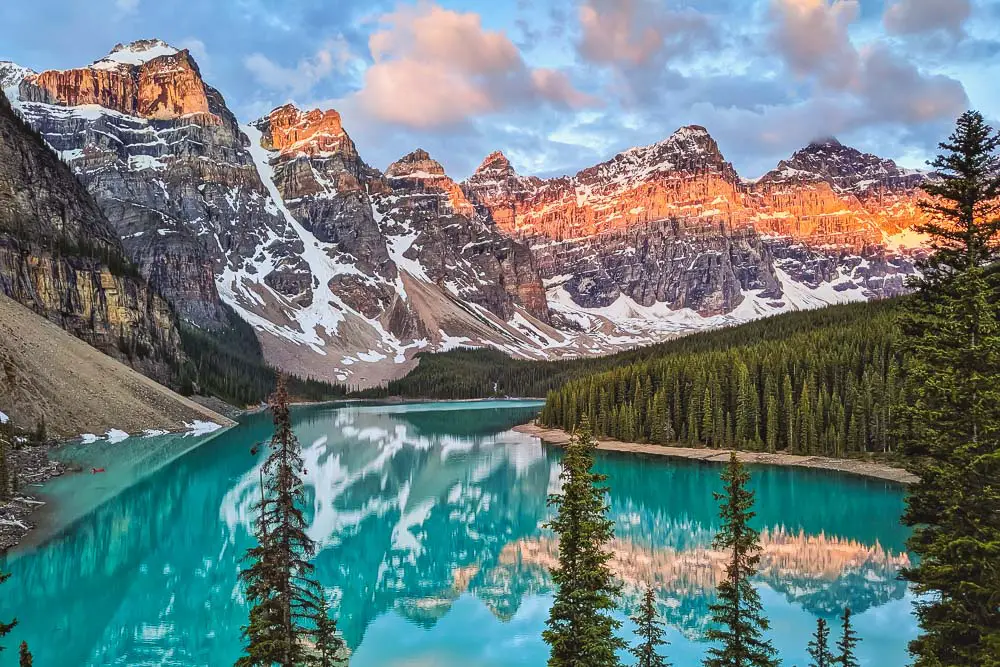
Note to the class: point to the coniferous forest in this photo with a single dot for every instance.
(809, 383)
(484, 373)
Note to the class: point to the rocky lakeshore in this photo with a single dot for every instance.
(860, 467)
(33, 467)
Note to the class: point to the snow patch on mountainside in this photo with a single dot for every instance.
(134, 54)
(11, 76)
(647, 324)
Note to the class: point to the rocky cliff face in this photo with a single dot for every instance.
(166, 162)
(835, 193)
(61, 258)
(147, 79)
(454, 248)
(395, 263)
(668, 230)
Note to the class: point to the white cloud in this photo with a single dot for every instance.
(127, 6)
(331, 58)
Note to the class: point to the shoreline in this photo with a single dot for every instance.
(870, 469)
(35, 468)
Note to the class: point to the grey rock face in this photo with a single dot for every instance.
(182, 193)
(60, 257)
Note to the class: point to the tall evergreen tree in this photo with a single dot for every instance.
(848, 642)
(738, 615)
(649, 629)
(772, 423)
(949, 420)
(25, 656)
(285, 607)
(580, 628)
(819, 647)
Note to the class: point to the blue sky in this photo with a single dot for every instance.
(562, 84)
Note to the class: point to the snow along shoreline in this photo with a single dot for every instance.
(859, 467)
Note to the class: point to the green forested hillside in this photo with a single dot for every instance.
(485, 373)
(818, 382)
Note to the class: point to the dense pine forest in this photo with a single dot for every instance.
(485, 373)
(818, 382)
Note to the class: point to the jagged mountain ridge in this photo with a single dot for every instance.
(317, 276)
(165, 160)
(672, 227)
(61, 258)
(346, 272)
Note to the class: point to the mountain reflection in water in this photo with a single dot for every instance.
(422, 512)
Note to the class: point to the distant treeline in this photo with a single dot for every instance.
(229, 363)
(820, 381)
(814, 382)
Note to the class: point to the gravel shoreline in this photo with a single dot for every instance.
(33, 467)
(851, 466)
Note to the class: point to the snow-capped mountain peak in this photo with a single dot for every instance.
(11, 76)
(845, 168)
(135, 53)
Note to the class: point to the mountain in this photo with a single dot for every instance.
(346, 272)
(392, 264)
(670, 233)
(61, 258)
(864, 194)
(166, 162)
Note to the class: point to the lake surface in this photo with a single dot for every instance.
(429, 521)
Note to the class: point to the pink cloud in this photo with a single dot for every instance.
(638, 33)
(812, 36)
(555, 86)
(435, 67)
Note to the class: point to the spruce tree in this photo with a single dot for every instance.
(788, 399)
(949, 422)
(285, 607)
(848, 642)
(649, 629)
(738, 618)
(772, 423)
(819, 647)
(329, 645)
(25, 656)
(580, 628)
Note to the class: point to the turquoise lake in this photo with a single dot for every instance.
(429, 520)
